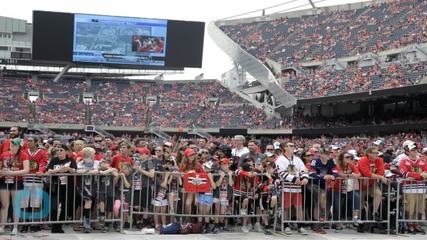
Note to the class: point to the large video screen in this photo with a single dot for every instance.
(119, 40)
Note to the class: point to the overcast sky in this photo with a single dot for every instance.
(215, 62)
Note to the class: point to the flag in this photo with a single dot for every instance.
(199, 77)
(197, 182)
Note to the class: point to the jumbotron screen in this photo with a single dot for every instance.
(113, 40)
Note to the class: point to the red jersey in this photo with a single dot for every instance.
(38, 163)
(367, 168)
(413, 169)
(117, 161)
(5, 146)
(244, 184)
(11, 162)
(340, 184)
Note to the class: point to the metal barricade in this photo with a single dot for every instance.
(60, 198)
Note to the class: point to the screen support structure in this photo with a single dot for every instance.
(64, 71)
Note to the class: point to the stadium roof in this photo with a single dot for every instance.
(295, 5)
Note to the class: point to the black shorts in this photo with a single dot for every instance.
(142, 198)
(18, 185)
(108, 201)
(262, 202)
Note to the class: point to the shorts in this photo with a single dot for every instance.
(224, 202)
(142, 197)
(205, 199)
(34, 198)
(262, 203)
(108, 201)
(292, 199)
(315, 192)
(19, 185)
(87, 194)
(160, 203)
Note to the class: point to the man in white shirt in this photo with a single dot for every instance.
(240, 149)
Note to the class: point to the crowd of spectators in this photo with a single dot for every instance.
(335, 34)
(355, 79)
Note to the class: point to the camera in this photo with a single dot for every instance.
(173, 169)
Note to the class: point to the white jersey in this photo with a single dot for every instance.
(396, 162)
(289, 170)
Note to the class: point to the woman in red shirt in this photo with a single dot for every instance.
(346, 190)
(189, 165)
(13, 164)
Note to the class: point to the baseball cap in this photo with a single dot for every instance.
(167, 144)
(189, 151)
(276, 145)
(16, 141)
(411, 146)
(143, 150)
(335, 147)
(407, 142)
(377, 143)
(269, 154)
(424, 150)
(208, 164)
(225, 160)
(354, 153)
(388, 173)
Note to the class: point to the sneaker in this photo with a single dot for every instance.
(14, 231)
(1, 230)
(215, 230)
(227, 229)
(288, 231)
(104, 229)
(86, 230)
(419, 230)
(377, 217)
(302, 231)
(245, 229)
(35, 228)
(207, 229)
(258, 227)
(249, 226)
(243, 212)
(357, 221)
(24, 229)
(268, 232)
(172, 212)
(338, 229)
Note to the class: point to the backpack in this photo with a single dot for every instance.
(172, 228)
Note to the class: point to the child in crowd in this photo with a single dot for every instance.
(123, 198)
(107, 180)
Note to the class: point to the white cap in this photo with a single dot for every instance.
(388, 173)
(424, 150)
(354, 153)
(334, 147)
(407, 142)
(208, 164)
(269, 154)
(378, 142)
(276, 145)
(411, 146)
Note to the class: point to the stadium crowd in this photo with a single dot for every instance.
(266, 176)
(335, 34)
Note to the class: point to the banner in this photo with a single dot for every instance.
(197, 182)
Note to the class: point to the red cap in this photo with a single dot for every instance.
(143, 150)
(225, 160)
(189, 151)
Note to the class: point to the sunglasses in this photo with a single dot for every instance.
(205, 152)
(270, 149)
(98, 141)
(308, 155)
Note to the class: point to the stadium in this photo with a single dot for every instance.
(334, 78)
